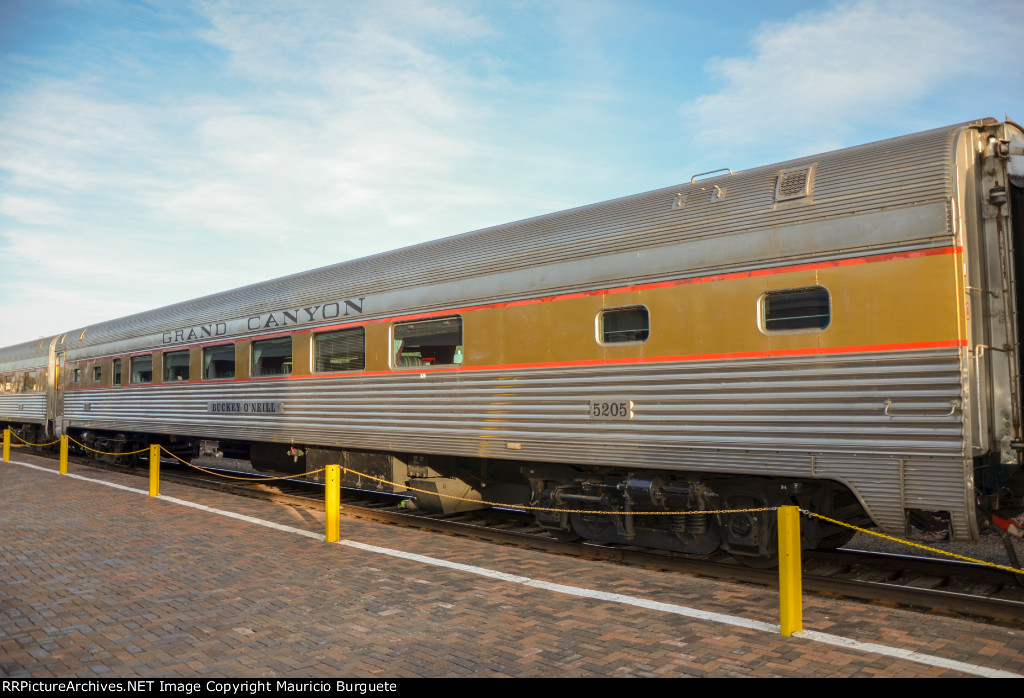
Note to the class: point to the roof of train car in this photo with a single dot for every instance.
(26, 354)
(845, 179)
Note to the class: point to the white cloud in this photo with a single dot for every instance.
(267, 138)
(32, 210)
(812, 79)
(339, 130)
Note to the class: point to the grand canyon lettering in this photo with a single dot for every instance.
(267, 321)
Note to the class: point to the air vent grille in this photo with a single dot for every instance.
(794, 184)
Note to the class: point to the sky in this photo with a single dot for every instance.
(152, 152)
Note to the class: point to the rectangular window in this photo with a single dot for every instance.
(428, 343)
(78, 376)
(175, 366)
(219, 362)
(142, 369)
(272, 357)
(624, 325)
(796, 310)
(97, 374)
(344, 350)
(117, 371)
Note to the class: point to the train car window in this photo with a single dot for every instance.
(344, 350)
(97, 374)
(428, 343)
(175, 366)
(219, 362)
(623, 325)
(272, 357)
(117, 371)
(796, 310)
(142, 369)
(30, 382)
(78, 376)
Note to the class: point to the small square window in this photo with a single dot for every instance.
(428, 343)
(176, 366)
(272, 357)
(344, 350)
(219, 362)
(97, 374)
(142, 369)
(624, 325)
(796, 310)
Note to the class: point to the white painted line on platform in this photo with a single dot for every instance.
(824, 638)
(570, 590)
(185, 503)
(242, 517)
(928, 659)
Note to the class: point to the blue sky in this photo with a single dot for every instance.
(152, 152)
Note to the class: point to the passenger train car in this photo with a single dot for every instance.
(839, 331)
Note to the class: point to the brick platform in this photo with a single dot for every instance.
(97, 581)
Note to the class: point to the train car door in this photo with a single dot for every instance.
(54, 395)
(997, 291)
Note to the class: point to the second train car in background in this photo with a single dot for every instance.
(839, 331)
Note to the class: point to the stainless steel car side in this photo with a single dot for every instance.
(840, 331)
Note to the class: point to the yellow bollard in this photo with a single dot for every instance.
(7, 445)
(154, 470)
(790, 582)
(332, 502)
(64, 455)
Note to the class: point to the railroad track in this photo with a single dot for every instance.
(922, 583)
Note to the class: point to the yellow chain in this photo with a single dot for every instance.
(912, 544)
(233, 477)
(106, 453)
(28, 443)
(523, 507)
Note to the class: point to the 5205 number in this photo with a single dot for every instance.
(611, 409)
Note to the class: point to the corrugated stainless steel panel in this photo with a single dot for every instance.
(931, 485)
(24, 356)
(746, 251)
(908, 171)
(852, 414)
(888, 404)
(877, 481)
(23, 407)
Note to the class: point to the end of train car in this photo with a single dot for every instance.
(839, 331)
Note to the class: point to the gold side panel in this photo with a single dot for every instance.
(902, 301)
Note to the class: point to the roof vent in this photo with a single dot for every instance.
(794, 184)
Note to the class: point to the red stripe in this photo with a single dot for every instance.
(871, 259)
(820, 351)
(831, 264)
(817, 351)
